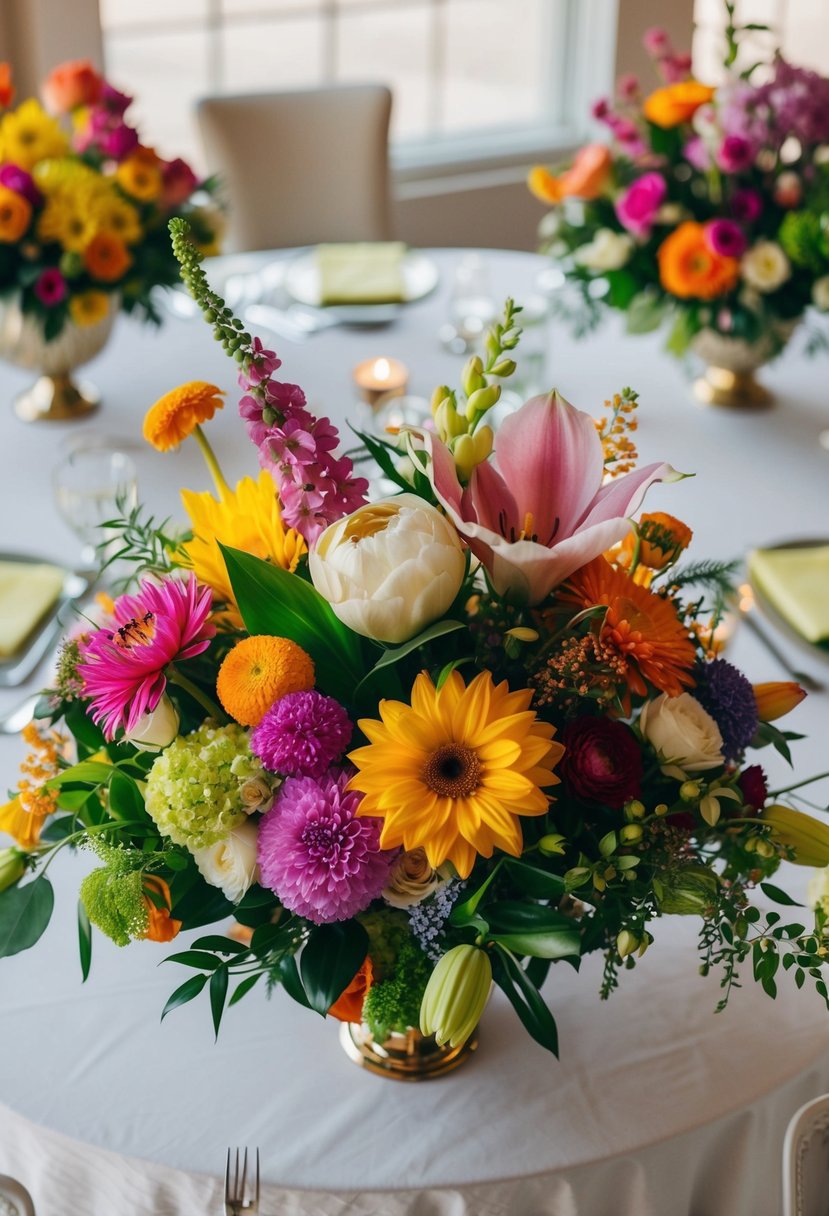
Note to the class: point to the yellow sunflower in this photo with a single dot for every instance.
(28, 134)
(248, 518)
(453, 771)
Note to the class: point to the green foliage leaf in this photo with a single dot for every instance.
(779, 896)
(465, 913)
(623, 287)
(24, 914)
(244, 988)
(396, 653)
(277, 603)
(331, 958)
(186, 992)
(534, 879)
(533, 929)
(195, 958)
(384, 458)
(682, 331)
(644, 313)
(84, 941)
(222, 945)
(90, 772)
(526, 1000)
(288, 974)
(125, 801)
(218, 995)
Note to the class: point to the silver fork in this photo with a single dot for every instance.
(240, 1194)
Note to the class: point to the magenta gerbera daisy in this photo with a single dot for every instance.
(124, 668)
(321, 860)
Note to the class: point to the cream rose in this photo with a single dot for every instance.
(257, 794)
(390, 568)
(683, 734)
(412, 879)
(608, 250)
(820, 293)
(157, 728)
(765, 266)
(230, 864)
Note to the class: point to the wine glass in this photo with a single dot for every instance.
(471, 306)
(93, 483)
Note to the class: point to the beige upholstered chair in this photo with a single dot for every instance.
(301, 167)
(806, 1161)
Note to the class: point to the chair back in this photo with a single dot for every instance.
(806, 1161)
(301, 167)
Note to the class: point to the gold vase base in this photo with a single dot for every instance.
(403, 1057)
(57, 399)
(734, 390)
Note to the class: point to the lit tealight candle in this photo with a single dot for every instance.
(376, 378)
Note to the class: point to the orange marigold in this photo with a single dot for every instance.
(258, 671)
(106, 257)
(161, 927)
(676, 103)
(642, 628)
(177, 414)
(689, 267)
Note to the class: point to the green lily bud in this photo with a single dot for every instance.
(634, 809)
(551, 845)
(463, 449)
(689, 791)
(503, 368)
(627, 943)
(12, 867)
(448, 421)
(441, 394)
(630, 833)
(473, 377)
(688, 892)
(482, 441)
(482, 400)
(455, 996)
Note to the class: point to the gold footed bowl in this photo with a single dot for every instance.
(55, 396)
(729, 376)
(410, 1056)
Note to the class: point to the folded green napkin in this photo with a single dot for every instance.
(796, 584)
(361, 273)
(27, 592)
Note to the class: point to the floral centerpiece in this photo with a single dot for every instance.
(411, 746)
(84, 207)
(707, 211)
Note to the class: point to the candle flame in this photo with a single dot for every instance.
(381, 369)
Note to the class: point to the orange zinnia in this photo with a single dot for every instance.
(15, 215)
(258, 671)
(676, 103)
(177, 414)
(106, 257)
(641, 627)
(689, 267)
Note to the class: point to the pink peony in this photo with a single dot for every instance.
(638, 206)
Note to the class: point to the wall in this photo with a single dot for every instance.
(37, 34)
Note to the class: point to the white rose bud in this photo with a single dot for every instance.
(683, 734)
(412, 879)
(820, 293)
(390, 568)
(157, 728)
(765, 266)
(257, 794)
(230, 864)
(608, 250)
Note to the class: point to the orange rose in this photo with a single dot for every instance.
(676, 103)
(72, 84)
(139, 175)
(161, 926)
(690, 269)
(348, 1006)
(586, 178)
(15, 215)
(6, 87)
(106, 258)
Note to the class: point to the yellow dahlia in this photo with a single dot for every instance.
(28, 134)
(453, 771)
(258, 671)
(247, 518)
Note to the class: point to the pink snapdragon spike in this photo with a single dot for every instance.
(124, 668)
(540, 510)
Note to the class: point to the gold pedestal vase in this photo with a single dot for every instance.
(408, 1056)
(55, 396)
(731, 363)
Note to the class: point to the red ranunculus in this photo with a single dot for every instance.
(602, 761)
(754, 787)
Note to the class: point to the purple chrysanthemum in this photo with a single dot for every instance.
(302, 735)
(729, 698)
(321, 860)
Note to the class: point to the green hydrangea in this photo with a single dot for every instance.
(194, 786)
(394, 1003)
(388, 931)
(115, 903)
(801, 238)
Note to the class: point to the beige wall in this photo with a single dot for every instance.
(37, 34)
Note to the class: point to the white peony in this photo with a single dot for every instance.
(157, 728)
(765, 266)
(230, 864)
(683, 734)
(390, 568)
(820, 293)
(608, 250)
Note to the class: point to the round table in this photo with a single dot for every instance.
(657, 1105)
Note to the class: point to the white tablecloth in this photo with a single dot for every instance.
(657, 1108)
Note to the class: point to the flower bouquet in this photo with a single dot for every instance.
(708, 211)
(84, 207)
(411, 746)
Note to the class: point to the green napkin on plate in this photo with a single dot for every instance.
(27, 592)
(795, 581)
(366, 273)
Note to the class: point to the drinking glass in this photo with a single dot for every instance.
(92, 484)
(471, 306)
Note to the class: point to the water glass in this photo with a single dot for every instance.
(93, 484)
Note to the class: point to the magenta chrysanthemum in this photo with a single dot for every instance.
(302, 735)
(123, 668)
(322, 862)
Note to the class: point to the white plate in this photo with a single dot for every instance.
(302, 282)
(15, 669)
(817, 649)
(17, 1195)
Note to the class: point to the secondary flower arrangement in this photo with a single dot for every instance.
(709, 209)
(416, 745)
(84, 205)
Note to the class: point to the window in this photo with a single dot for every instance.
(472, 79)
(800, 28)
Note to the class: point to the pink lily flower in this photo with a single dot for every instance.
(540, 511)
